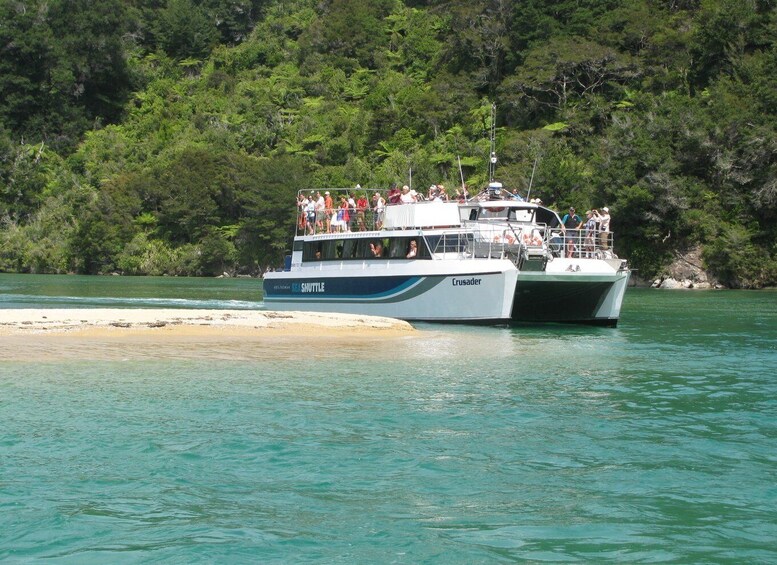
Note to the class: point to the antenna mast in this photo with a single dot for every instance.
(531, 180)
(492, 163)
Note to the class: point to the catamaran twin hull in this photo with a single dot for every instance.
(497, 295)
(478, 261)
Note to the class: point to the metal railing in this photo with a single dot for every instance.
(498, 238)
(340, 216)
(487, 239)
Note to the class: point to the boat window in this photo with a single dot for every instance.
(448, 243)
(359, 249)
(312, 251)
(522, 215)
(297, 245)
(377, 248)
(331, 249)
(547, 217)
(363, 248)
(397, 247)
(349, 249)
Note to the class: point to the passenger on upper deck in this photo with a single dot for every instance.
(572, 224)
(379, 208)
(352, 210)
(394, 194)
(302, 204)
(328, 210)
(320, 212)
(362, 205)
(406, 197)
(310, 213)
(604, 227)
(343, 215)
(590, 232)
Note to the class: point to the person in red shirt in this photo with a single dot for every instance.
(362, 205)
(394, 194)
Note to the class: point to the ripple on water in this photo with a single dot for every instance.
(464, 445)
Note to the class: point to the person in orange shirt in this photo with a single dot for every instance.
(328, 211)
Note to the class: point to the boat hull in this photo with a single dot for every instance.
(464, 296)
(572, 298)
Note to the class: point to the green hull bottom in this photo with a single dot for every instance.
(563, 302)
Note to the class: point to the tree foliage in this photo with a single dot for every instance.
(170, 137)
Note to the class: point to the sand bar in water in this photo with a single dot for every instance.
(27, 334)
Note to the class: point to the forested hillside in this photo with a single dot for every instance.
(170, 136)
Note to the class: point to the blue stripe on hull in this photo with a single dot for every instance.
(325, 289)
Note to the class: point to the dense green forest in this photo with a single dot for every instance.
(170, 136)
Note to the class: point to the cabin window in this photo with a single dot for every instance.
(349, 249)
(398, 248)
(362, 248)
(312, 251)
(331, 249)
(378, 248)
(448, 243)
(524, 215)
(547, 217)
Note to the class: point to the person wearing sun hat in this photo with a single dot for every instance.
(571, 223)
(604, 227)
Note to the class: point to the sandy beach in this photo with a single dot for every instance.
(102, 333)
(117, 321)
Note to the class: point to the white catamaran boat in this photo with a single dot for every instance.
(489, 261)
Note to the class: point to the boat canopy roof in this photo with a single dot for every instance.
(422, 215)
(511, 210)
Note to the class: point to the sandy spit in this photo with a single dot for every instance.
(103, 322)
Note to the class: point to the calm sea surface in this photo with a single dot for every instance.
(652, 442)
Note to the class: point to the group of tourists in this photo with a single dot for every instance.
(320, 213)
(584, 237)
(435, 193)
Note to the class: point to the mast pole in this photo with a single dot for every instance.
(531, 180)
(492, 164)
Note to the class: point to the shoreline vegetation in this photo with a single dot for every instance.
(176, 143)
(118, 322)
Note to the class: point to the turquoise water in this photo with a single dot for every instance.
(652, 442)
(73, 291)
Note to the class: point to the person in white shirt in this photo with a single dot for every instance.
(604, 227)
(379, 207)
(406, 197)
(413, 251)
